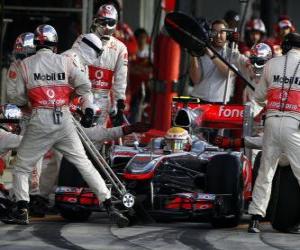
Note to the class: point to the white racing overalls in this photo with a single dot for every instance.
(108, 75)
(281, 92)
(98, 134)
(52, 161)
(13, 74)
(48, 80)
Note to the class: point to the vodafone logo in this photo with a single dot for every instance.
(230, 113)
(283, 96)
(50, 93)
(99, 74)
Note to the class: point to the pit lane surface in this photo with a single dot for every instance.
(53, 232)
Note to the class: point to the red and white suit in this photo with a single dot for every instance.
(49, 79)
(108, 75)
(281, 131)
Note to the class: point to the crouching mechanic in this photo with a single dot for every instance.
(279, 88)
(48, 80)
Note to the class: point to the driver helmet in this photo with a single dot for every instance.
(260, 54)
(105, 23)
(24, 46)
(89, 47)
(10, 111)
(45, 36)
(176, 139)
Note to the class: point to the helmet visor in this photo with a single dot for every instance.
(257, 61)
(175, 144)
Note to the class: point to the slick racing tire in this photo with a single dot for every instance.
(69, 176)
(74, 215)
(285, 200)
(224, 177)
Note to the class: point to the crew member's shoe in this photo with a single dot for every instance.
(254, 224)
(115, 215)
(295, 229)
(18, 214)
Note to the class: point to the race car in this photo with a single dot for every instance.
(203, 180)
(200, 183)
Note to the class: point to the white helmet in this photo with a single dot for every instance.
(24, 46)
(260, 54)
(256, 25)
(176, 139)
(105, 23)
(89, 47)
(45, 36)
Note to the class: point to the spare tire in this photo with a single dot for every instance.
(224, 177)
(285, 200)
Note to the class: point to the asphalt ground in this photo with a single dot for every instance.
(53, 232)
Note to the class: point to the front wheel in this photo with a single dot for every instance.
(224, 177)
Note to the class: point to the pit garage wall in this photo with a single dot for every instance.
(140, 13)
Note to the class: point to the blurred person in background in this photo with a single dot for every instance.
(232, 18)
(255, 31)
(140, 73)
(209, 74)
(282, 28)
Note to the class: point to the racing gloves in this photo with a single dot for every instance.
(120, 105)
(87, 119)
(117, 119)
(226, 142)
(139, 127)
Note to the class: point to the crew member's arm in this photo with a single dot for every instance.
(99, 133)
(9, 141)
(262, 87)
(16, 90)
(81, 83)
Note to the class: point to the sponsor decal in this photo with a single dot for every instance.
(12, 74)
(286, 80)
(49, 77)
(50, 93)
(99, 74)
(230, 113)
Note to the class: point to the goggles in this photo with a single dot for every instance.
(107, 22)
(257, 61)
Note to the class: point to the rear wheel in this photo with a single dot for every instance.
(75, 215)
(285, 200)
(224, 177)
